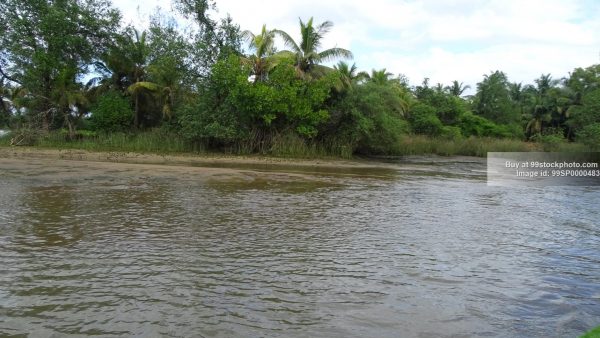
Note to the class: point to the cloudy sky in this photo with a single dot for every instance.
(443, 40)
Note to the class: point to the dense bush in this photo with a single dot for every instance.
(231, 106)
(474, 125)
(588, 112)
(112, 112)
(590, 136)
(423, 120)
(369, 119)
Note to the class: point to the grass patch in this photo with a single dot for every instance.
(153, 141)
(289, 145)
(293, 146)
(472, 146)
(595, 333)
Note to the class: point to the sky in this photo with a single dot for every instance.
(443, 40)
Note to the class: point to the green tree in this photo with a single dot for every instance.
(492, 99)
(42, 38)
(305, 52)
(70, 99)
(370, 120)
(348, 76)
(587, 113)
(457, 88)
(212, 40)
(230, 107)
(111, 113)
(264, 59)
(380, 77)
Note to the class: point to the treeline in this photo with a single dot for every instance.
(71, 65)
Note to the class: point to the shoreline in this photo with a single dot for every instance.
(182, 159)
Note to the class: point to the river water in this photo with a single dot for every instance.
(414, 248)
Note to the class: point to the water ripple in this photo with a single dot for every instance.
(430, 251)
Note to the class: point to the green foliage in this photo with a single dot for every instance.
(474, 125)
(423, 120)
(305, 54)
(201, 87)
(112, 112)
(448, 108)
(231, 105)
(550, 141)
(588, 112)
(595, 333)
(472, 146)
(150, 141)
(451, 133)
(590, 136)
(298, 103)
(492, 100)
(370, 119)
(213, 40)
(41, 39)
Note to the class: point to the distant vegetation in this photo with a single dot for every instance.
(71, 75)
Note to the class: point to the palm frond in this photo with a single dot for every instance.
(288, 41)
(334, 53)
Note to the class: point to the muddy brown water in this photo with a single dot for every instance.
(416, 248)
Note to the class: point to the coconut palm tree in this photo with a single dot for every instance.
(264, 58)
(380, 77)
(348, 75)
(305, 53)
(123, 66)
(70, 99)
(151, 92)
(457, 88)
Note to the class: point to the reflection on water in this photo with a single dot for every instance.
(424, 250)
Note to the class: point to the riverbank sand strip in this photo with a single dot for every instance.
(209, 160)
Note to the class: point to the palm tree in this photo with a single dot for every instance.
(153, 92)
(125, 65)
(380, 77)
(69, 99)
(348, 75)
(457, 88)
(264, 58)
(306, 55)
(538, 116)
(544, 83)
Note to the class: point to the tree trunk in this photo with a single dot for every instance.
(136, 117)
(71, 128)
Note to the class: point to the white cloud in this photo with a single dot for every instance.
(443, 40)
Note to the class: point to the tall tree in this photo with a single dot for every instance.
(380, 77)
(263, 60)
(457, 88)
(213, 40)
(348, 75)
(492, 100)
(41, 38)
(306, 54)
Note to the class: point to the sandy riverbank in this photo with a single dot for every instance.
(59, 166)
(65, 163)
(209, 160)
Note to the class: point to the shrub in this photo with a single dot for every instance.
(112, 112)
(590, 136)
(451, 133)
(423, 120)
(231, 107)
(475, 125)
(549, 142)
(369, 121)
